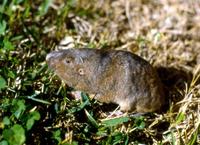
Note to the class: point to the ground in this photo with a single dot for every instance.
(37, 108)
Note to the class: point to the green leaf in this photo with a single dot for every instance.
(2, 27)
(141, 125)
(6, 120)
(84, 97)
(139, 122)
(85, 102)
(3, 142)
(8, 45)
(15, 135)
(173, 139)
(11, 74)
(45, 6)
(180, 117)
(91, 119)
(18, 1)
(4, 2)
(18, 107)
(33, 117)
(73, 143)
(30, 123)
(115, 121)
(21, 108)
(118, 137)
(27, 11)
(2, 83)
(126, 141)
(170, 137)
(17, 37)
(56, 135)
(83, 105)
(194, 137)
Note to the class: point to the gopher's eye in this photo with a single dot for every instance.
(68, 60)
(81, 71)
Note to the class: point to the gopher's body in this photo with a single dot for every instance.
(114, 76)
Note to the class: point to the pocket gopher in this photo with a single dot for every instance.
(114, 76)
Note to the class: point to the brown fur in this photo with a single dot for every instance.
(114, 76)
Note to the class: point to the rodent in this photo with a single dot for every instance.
(115, 76)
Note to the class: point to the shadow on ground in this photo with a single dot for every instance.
(174, 80)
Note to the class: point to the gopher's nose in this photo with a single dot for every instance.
(52, 59)
(49, 56)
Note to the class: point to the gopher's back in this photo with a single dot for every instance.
(133, 83)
